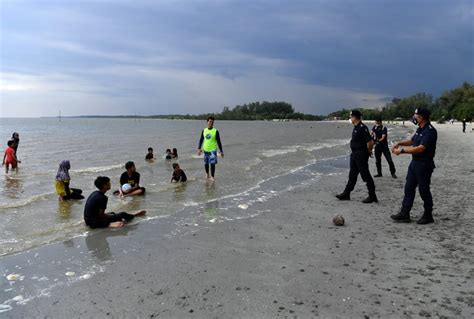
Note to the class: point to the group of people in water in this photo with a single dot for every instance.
(169, 154)
(95, 215)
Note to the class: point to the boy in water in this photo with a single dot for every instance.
(168, 155)
(94, 210)
(149, 156)
(174, 153)
(9, 158)
(178, 174)
(131, 177)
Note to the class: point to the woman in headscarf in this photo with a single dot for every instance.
(62, 183)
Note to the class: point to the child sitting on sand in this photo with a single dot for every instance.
(94, 210)
(62, 183)
(149, 156)
(9, 158)
(178, 174)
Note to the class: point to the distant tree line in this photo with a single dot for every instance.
(457, 103)
(250, 112)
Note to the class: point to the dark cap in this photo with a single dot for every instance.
(356, 113)
(423, 112)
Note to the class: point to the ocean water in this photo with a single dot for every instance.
(262, 160)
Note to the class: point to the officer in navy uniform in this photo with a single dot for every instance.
(381, 147)
(422, 146)
(361, 146)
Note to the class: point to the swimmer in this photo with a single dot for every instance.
(178, 174)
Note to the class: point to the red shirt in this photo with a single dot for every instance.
(10, 152)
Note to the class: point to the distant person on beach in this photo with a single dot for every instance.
(464, 126)
(130, 182)
(9, 157)
(96, 204)
(178, 174)
(361, 146)
(380, 135)
(174, 153)
(168, 154)
(208, 143)
(422, 147)
(62, 183)
(149, 156)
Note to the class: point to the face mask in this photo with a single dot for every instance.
(414, 120)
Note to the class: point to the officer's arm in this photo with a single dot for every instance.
(370, 145)
(414, 149)
(403, 143)
(382, 138)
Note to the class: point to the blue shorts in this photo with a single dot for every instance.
(210, 157)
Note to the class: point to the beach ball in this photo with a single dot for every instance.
(126, 187)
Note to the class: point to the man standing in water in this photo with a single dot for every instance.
(361, 146)
(208, 143)
(422, 147)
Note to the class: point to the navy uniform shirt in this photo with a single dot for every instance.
(380, 130)
(426, 136)
(360, 137)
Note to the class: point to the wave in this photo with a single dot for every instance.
(304, 147)
(26, 201)
(97, 169)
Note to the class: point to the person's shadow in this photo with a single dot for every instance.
(97, 244)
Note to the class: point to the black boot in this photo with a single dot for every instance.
(378, 175)
(427, 218)
(394, 176)
(371, 199)
(403, 216)
(344, 196)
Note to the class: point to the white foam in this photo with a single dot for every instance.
(97, 169)
(26, 201)
(304, 147)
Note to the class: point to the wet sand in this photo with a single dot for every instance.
(289, 261)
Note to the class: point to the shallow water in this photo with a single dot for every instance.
(257, 154)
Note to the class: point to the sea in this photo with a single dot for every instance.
(262, 160)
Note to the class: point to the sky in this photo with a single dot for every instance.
(166, 57)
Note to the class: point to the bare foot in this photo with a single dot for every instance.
(116, 225)
(139, 213)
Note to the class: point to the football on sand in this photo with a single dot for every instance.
(338, 220)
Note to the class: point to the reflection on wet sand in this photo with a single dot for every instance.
(98, 245)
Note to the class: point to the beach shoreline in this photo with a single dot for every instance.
(288, 260)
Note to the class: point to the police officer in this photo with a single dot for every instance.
(361, 146)
(381, 147)
(422, 147)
